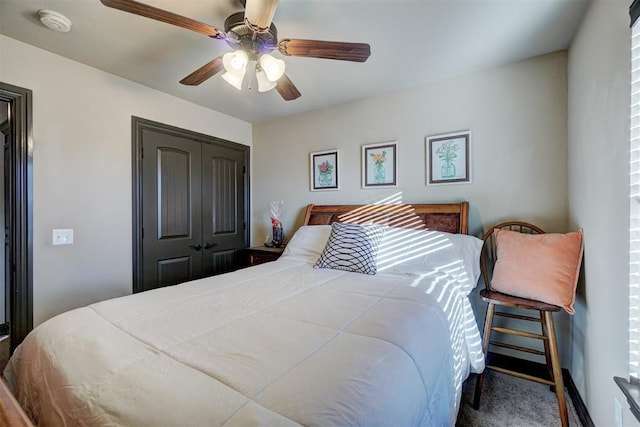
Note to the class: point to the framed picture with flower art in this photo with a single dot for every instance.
(448, 158)
(324, 170)
(380, 165)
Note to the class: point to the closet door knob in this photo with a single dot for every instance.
(210, 245)
(195, 247)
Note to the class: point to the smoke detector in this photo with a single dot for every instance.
(54, 20)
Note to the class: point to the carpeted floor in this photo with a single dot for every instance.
(514, 402)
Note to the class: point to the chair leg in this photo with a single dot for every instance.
(488, 324)
(557, 372)
(547, 351)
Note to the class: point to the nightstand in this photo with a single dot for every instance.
(261, 254)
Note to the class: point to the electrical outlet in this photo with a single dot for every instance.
(62, 236)
(618, 412)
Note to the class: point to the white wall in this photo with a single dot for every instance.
(82, 170)
(599, 94)
(517, 116)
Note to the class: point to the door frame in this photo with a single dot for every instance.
(138, 125)
(20, 198)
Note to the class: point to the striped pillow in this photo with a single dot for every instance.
(352, 247)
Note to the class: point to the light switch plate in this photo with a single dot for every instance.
(63, 236)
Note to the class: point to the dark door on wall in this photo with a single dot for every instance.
(223, 220)
(6, 132)
(193, 205)
(18, 205)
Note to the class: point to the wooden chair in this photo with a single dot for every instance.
(544, 317)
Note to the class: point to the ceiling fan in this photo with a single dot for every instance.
(253, 37)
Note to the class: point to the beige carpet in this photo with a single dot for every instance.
(510, 401)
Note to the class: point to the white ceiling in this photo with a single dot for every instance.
(412, 43)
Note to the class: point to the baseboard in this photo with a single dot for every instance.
(578, 403)
(539, 369)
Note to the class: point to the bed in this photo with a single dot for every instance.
(280, 343)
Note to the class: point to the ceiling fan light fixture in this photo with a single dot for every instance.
(264, 84)
(235, 61)
(236, 65)
(234, 79)
(273, 67)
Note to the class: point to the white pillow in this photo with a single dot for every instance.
(403, 250)
(308, 242)
(413, 251)
(351, 247)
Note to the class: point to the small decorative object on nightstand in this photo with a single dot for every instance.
(261, 254)
(277, 240)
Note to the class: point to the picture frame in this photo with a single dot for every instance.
(448, 158)
(380, 165)
(324, 170)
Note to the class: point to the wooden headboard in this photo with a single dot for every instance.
(449, 217)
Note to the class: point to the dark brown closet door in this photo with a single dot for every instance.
(172, 209)
(223, 226)
(190, 196)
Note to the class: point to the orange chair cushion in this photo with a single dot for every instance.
(542, 267)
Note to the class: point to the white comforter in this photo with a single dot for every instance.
(276, 344)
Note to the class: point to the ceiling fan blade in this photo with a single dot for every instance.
(203, 73)
(152, 12)
(357, 52)
(287, 90)
(259, 14)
